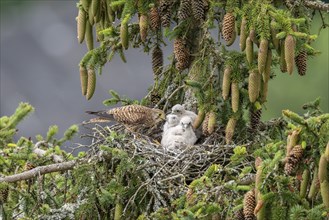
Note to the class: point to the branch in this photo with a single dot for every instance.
(317, 5)
(39, 171)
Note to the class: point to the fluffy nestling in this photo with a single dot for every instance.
(180, 111)
(181, 134)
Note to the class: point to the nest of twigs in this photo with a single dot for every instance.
(166, 174)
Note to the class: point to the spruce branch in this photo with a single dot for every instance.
(318, 5)
(40, 171)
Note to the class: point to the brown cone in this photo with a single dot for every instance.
(255, 116)
(182, 54)
(249, 204)
(185, 10)
(301, 62)
(157, 60)
(205, 125)
(228, 28)
(165, 12)
(198, 10)
(293, 160)
(4, 192)
(238, 215)
(154, 19)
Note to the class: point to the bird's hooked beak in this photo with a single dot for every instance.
(185, 125)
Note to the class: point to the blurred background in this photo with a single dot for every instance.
(39, 64)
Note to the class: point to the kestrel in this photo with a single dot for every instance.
(180, 111)
(132, 115)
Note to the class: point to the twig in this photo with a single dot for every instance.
(39, 171)
(318, 5)
(171, 95)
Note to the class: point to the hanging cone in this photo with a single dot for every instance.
(199, 119)
(81, 25)
(255, 116)
(91, 83)
(253, 85)
(301, 62)
(249, 204)
(243, 34)
(143, 24)
(198, 10)
(267, 72)
(83, 79)
(157, 60)
(289, 53)
(89, 36)
(185, 10)
(154, 19)
(182, 54)
(229, 131)
(228, 28)
(205, 125)
(165, 12)
(262, 55)
(235, 99)
(226, 82)
(211, 122)
(124, 35)
(249, 50)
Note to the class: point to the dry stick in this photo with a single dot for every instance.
(318, 5)
(39, 171)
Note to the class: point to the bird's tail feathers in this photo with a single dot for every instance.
(102, 114)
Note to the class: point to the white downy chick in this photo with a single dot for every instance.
(180, 111)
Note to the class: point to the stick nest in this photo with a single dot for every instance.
(165, 174)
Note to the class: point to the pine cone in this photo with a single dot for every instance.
(4, 192)
(143, 24)
(228, 28)
(243, 34)
(89, 36)
(238, 215)
(229, 131)
(262, 55)
(157, 60)
(81, 25)
(253, 85)
(211, 122)
(235, 96)
(29, 166)
(184, 10)
(198, 10)
(205, 125)
(226, 82)
(267, 72)
(83, 79)
(289, 53)
(124, 35)
(293, 160)
(255, 115)
(182, 54)
(249, 50)
(283, 64)
(165, 12)
(91, 83)
(301, 62)
(249, 204)
(154, 19)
